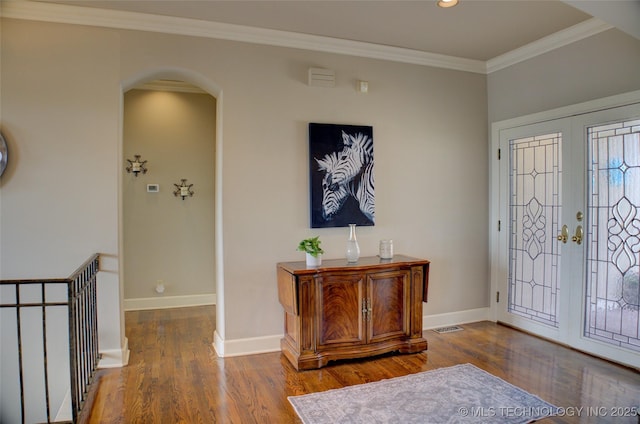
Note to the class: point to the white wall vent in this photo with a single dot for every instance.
(319, 77)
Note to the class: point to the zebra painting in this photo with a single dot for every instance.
(342, 177)
(334, 191)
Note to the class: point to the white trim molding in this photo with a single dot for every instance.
(546, 44)
(68, 14)
(455, 318)
(166, 302)
(59, 13)
(64, 412)
(248, 346)
(115, 358)
(266, 344)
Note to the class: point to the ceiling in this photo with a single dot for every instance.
(475, 29)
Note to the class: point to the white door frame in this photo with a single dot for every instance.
(498, 213)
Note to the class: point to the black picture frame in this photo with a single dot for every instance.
(333, 198)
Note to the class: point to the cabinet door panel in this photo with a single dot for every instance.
(388, 299)
(339, 311)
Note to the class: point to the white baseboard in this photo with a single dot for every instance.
(64, 412)
(115, 358)
(166, 302)
(455, 318)
(248, 346)
(265, 344)
(218, 344)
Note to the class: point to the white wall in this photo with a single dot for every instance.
(166, 238)
(60, 189)
(59, 192)
(596, 67)
(62, 109)
(61, 112)
(429, 129)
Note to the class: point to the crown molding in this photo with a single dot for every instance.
(59, 13)
(546, 44)
(51, 12)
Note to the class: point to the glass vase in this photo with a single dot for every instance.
(353, 249)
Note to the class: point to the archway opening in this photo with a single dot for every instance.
(171, 245)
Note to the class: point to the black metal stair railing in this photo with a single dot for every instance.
(37, 307)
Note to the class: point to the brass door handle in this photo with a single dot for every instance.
(577, 238)
(564, 234)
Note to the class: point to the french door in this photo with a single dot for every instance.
(568, 265)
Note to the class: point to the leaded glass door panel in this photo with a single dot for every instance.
(535, 181)
(533, 209)
(610, 312)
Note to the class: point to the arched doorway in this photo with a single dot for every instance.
(207, 182)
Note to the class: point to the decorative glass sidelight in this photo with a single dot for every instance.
(612, 312)
(534, 210)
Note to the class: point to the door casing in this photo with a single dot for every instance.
(565, 120)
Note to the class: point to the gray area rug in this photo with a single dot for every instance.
(458, 394)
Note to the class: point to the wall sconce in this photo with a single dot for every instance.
(183, 190)
(136, 166)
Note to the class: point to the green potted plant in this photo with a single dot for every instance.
(311, 246)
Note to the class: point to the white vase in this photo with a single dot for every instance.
(353, 249)
(314, 260)
(386, 249)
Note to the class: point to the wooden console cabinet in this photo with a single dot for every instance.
(342, 310)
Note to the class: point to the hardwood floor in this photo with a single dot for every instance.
(174, 375)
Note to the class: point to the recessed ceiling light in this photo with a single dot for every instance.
(447, 3)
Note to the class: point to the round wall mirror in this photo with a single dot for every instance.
(4, 153)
